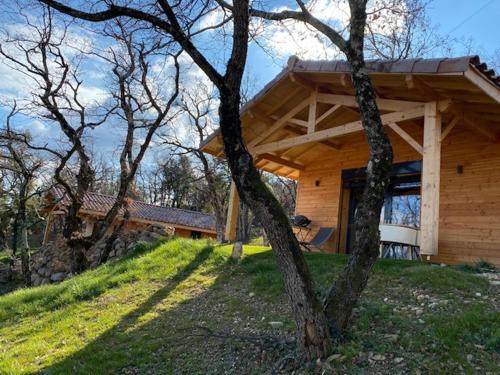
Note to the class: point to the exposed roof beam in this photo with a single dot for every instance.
(383, 104)
(295, 78)
(346, 80)
(449, 127)
(329, 112)
(260, 116)
(407, 137)
(311, 117)
(415, 83)
(285, 99)
(484, 84)
(279, 160)
(280, 122)
(296, 131)
(296, 121)
(474, 121)
(337, 131)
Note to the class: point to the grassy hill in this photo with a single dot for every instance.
(184, 308)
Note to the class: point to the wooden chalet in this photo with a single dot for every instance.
(186, 223)
(443, 118)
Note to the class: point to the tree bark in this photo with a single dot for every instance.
(21, 228)
(25, 256)
(345, 292)
(312, 329)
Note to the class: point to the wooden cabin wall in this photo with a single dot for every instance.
(469, 204)
(321, 203)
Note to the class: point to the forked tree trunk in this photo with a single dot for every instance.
(312, 329)
(345, 292)
(72, 223)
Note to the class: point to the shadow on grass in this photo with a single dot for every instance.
(53, 296)
(154, 340)
(123, 344)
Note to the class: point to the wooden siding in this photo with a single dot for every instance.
(469, 202)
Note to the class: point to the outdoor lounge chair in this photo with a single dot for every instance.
(319, 239)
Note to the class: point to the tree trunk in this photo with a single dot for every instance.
(15, 234)
(312, 329)
(20, 228)
(345, 292)
(116, 232)
(243, 230)
(219, 226)
(25, 256)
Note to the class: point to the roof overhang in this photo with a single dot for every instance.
(283, 136)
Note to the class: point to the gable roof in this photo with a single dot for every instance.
(464, 80)
(442, 65)
(101, 203)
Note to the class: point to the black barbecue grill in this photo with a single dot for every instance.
(301, 222)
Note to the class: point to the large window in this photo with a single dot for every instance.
(402, 204)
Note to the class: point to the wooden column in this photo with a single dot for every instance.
(232, 213)
(48, 227)
(311, 120)
(431, 174)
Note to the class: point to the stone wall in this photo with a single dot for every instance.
(51, 263)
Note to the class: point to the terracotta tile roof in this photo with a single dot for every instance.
(140, 210)
(423, 66)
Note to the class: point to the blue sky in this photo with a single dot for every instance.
(477, 21)
(469, 19)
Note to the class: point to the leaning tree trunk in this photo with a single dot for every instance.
(312, 329)
(243, 229)
(21, 229)
(344, 294)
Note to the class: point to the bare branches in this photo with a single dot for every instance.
(144, 103)
(56, 97)
(170, 26)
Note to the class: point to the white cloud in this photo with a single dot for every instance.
(292, 37)
(92, 95)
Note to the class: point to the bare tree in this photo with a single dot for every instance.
(197, 106)
(15, 158)
(142, 105)
(56, 98)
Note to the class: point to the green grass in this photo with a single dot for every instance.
(142, 315)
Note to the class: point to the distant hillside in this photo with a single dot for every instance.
(185, 308)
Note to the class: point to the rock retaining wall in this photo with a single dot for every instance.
(51, 263)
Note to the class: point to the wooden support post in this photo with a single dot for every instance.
(232, 213)
(48, 227)
(431, 174)
(311, 121)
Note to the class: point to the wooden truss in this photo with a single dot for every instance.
(307, 132)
